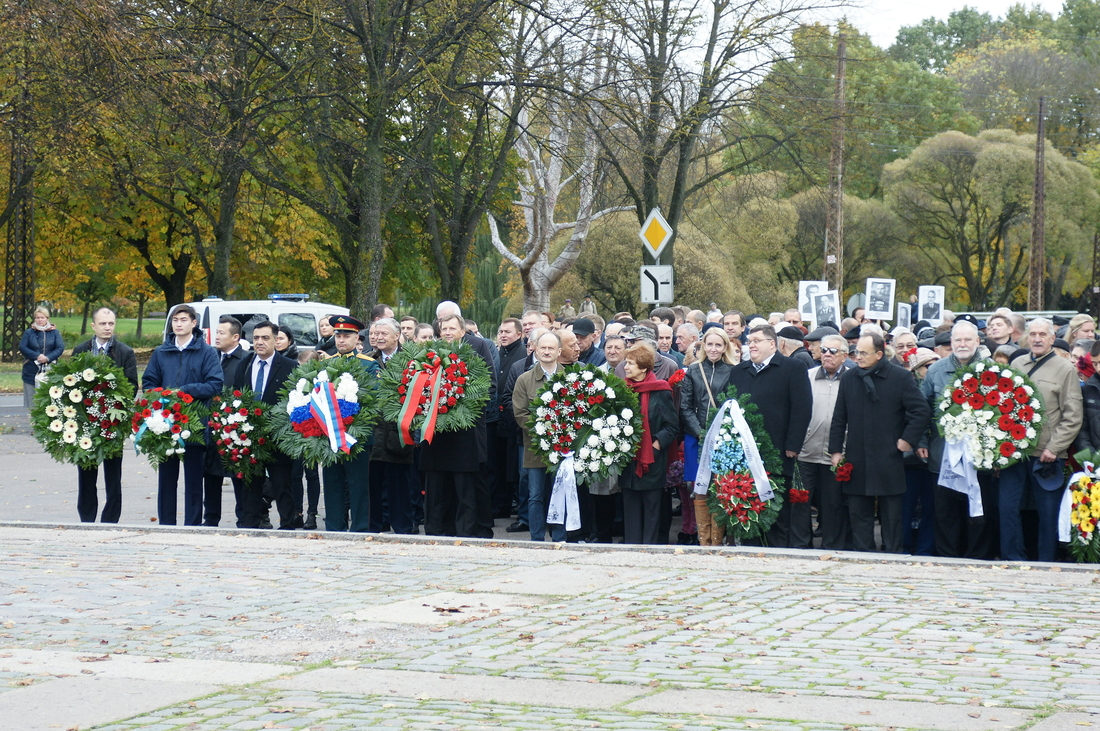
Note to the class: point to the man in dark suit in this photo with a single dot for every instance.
(265, 371)
(227, 340)
(105, 343)
(392, 476)
(883, 414)
(456, 499)
(779, 388)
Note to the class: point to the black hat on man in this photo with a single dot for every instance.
(791, 333)
(347, 323)
(820, 333)
(583, 326)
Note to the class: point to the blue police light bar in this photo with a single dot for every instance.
(288, 297)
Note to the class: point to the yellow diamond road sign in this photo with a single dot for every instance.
(655, 233)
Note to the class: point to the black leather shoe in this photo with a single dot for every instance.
(310, 522)
(265, 523)
(517, 527)
(295, 522)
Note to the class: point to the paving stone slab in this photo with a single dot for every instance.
(1067, 722)
(434, 686)
(443, 607)
(109, 665)
(83, 702)
(851, 711)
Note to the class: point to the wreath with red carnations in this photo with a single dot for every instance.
(995, 410)
(592, 415)
(241, 433)
(442, 387)
(732, 496)
(165, 422)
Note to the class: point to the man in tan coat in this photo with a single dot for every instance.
(1041, 473)
(548, 349)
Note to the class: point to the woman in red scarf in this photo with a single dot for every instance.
(644, 478)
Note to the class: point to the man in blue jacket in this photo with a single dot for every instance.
(187, 363)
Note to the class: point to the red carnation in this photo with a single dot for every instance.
(257, 412)
(443, 409)
(176, 429)
(261, 441)
(243, 412)
(844, 472)
(186, 398)
(87, 402)
(184, 418)
(1007, 449)
(798, 496)
(237, 394)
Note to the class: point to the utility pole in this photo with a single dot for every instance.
(834, 215)
(1036, 279)
(1094, 295)
(19, 255)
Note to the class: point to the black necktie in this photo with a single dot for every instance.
(260, 378)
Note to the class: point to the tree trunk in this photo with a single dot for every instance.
(228, 195)
(141, 315)
(84, 321)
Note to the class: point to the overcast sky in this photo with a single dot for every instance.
(880, 19)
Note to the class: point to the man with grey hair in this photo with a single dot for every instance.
(664, 343)
(686, 335)
(955, 533)
(1041, 474)
(392, 477)
(664, 367)
(814, 464)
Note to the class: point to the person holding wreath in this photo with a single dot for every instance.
(347, 483)
(41, 345)
(700, 390)
(104, 343)
(187, 363)
(644, 478)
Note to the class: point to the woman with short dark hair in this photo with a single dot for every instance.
(644, 478)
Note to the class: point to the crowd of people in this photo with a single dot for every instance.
(854, 391)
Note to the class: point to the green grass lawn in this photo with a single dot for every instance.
(10, 373)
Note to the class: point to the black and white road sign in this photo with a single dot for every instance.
(656, 284)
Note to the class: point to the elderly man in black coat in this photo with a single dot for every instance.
(456, 502)
(884, 415)
(781, 391)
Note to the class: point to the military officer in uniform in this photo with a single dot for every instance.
(347, 481)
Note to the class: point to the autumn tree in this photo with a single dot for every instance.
(967, 201)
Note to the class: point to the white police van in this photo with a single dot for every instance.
(294, 311)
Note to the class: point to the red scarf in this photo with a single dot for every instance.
(643, 388)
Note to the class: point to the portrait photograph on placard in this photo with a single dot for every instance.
(930, 304)
(904, 311)
(827, 308)
(807, 290)
(880, 299)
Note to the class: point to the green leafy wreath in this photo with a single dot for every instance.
(732, 496)
(240, 428)
(81, 413)
(463, 385)
(594, 415)
(299, 435)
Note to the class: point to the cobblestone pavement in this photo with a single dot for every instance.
(177, 629)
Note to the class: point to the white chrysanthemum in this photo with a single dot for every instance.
(540, 428)
(628, 414)
(56, 425)
(616, 431)
(554, 457)
(571, 378)
(69, 437)
(593, 441)
(56, 392)
(76, 396)
(607, 460)
(85, 443)
(542, 412)
(597, 424)
(1030, 433)
(958, 383)
(612, 420)
(1029, 390)
(1018, 380)
(587, 375)
(547, 397)
(70, 380)
(624, 446)
(544, 445)
(89, 375)
(583, 453)
(605, 433)
(979, 366)
(594, 466)
(52, 411)
(157, 424)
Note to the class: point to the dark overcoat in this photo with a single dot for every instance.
(465, 450)
(874, 428)
(782, 393)
(664, 426)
